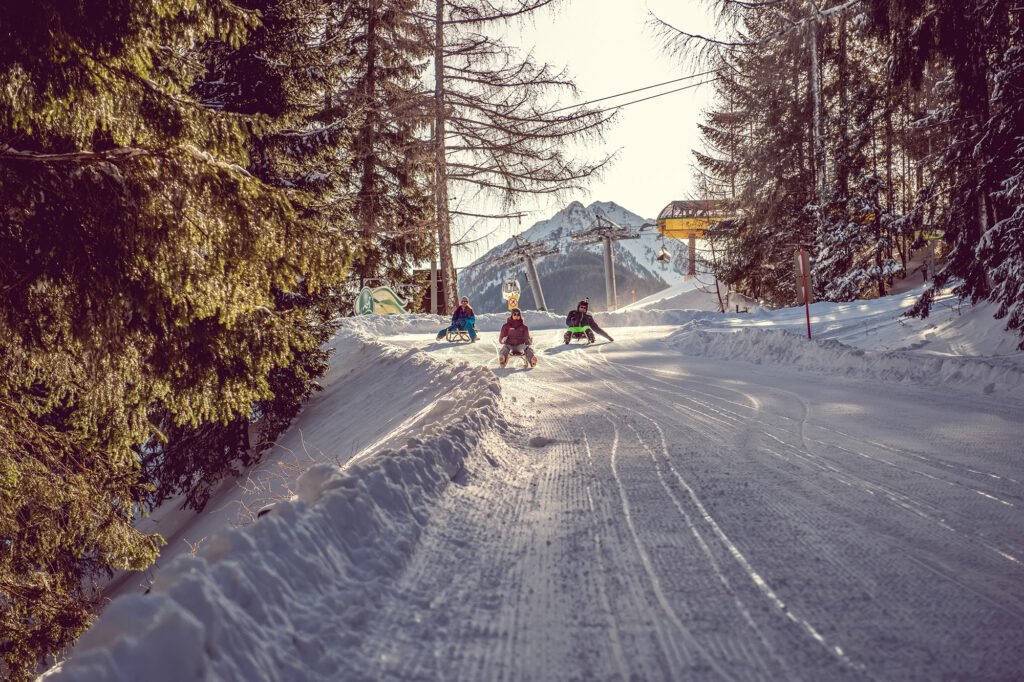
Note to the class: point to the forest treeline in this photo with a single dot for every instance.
(862, 131)
(191, 193)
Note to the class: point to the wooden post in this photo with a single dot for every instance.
(805, 285)
(691, 270)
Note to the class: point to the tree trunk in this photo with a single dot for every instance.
(842, 167)
(818, 150)
(367, 190)
(444, 236)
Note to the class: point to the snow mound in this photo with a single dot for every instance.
(829, 356)
(320, 558)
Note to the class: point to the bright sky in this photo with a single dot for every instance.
(609, 48)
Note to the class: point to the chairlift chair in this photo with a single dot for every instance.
(510, 291)
(510, 287)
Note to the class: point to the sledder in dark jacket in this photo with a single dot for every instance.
(516, 337)
(581, 322)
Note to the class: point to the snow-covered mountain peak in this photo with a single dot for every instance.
(575, 218)
(578, 267)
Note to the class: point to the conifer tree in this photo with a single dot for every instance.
(760, 150)
(391, 169)
(1002, 247)
(978, 170)
(282, 74)
(140, 265)
(815, 144)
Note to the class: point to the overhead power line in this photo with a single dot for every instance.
(660, 94)
(630, 92)
(455, 135)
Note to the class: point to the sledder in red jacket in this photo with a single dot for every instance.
(516, 337)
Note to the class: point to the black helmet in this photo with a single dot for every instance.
(515, 311)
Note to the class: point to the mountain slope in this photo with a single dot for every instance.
(577, 271)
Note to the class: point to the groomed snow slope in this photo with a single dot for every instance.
(709, 497)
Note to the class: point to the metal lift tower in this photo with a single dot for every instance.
(607, 231)
(525, 252)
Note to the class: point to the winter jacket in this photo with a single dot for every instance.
(514, 332)
(465, 315)
(580, 318)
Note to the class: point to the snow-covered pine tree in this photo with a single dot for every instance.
(140, 262)
(759, 142)
(805, 146)
(855, 232)
(1002, 247)
(973, 39)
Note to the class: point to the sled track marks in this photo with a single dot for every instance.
(687, 576)
(662, 465)
(915, 569)
(693, 387)
(840, 463)
(677, 528)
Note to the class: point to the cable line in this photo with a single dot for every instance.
(630, 92)
(660, 94)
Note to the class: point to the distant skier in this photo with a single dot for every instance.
(581, 322)
(463, 319)
(516, 337)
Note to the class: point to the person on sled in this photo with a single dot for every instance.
(463, 319)
(516, 337)
(581, 322)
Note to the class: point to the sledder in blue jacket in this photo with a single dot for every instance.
(462, 319)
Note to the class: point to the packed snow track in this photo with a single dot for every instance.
(656, 519)
(648, 509)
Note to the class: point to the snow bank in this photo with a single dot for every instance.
(320, 558)
(828, 356)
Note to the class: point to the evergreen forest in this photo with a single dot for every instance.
(865, 131)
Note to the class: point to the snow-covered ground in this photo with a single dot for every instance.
(709, 497)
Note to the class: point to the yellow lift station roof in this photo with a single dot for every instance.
(683, 219)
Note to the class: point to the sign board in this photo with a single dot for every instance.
(379, 301)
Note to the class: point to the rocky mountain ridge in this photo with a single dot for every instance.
(577, 271)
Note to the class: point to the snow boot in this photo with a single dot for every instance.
(502, 360)
(533, 361)
(590, 337)
(568, 337)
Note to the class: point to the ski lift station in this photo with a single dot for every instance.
(690, 220)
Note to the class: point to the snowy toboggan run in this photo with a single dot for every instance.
(708, 498)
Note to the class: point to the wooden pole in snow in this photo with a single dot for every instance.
(805, 284)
